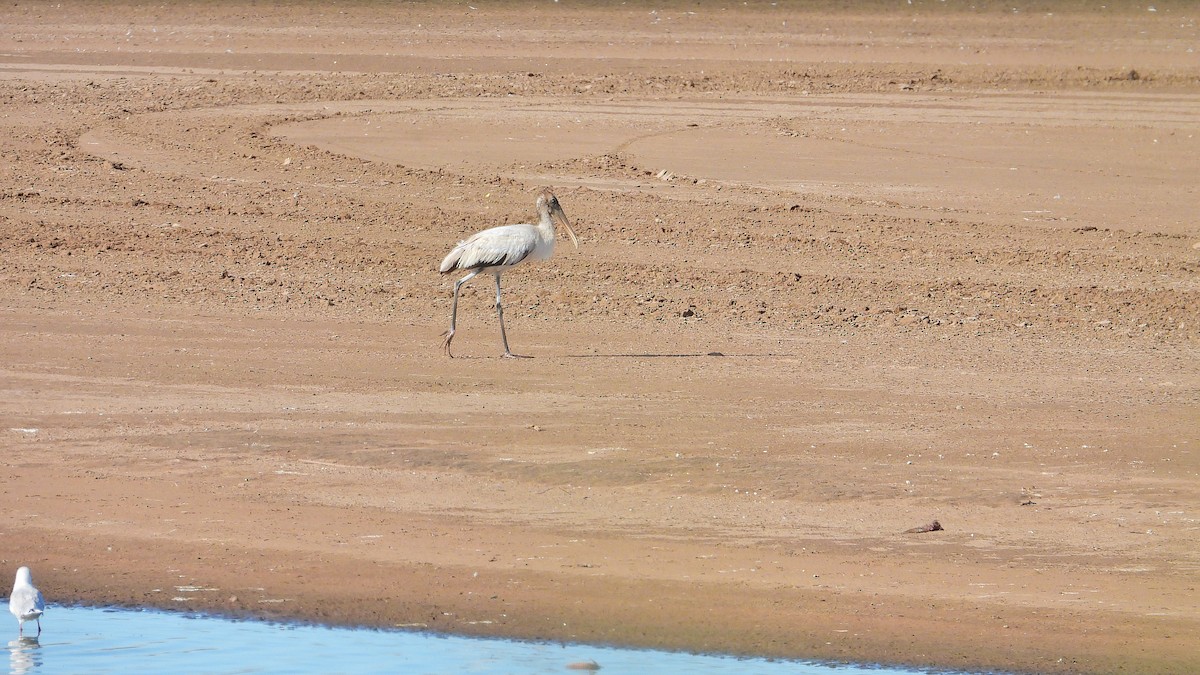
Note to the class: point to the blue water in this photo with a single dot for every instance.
(93, 640)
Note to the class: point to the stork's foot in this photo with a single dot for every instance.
(510, 355)
(449, 335)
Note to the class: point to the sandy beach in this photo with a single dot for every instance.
(844, 270)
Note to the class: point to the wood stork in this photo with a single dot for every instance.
(498, 248)
(26, 602)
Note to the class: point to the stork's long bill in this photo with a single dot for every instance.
(562, 218)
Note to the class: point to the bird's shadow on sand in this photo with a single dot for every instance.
(650, 355)
(629, 355)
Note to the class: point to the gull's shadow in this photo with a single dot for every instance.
(25, 641)
(24, 655)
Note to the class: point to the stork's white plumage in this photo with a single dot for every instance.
(499, 248)
(26, 601)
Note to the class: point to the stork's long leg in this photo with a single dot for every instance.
(500, 313)
(454, 309)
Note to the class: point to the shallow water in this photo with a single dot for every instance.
(94, 640)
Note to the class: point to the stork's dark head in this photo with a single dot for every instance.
(547, 200)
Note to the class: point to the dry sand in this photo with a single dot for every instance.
(843, 272)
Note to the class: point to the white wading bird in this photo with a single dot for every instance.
(26, 602)
(498, 248)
